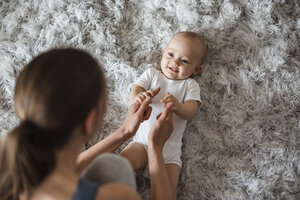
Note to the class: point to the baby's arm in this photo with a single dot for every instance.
(186, 110)
(135, 90)
(189, 109)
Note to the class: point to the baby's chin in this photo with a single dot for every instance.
(168, 77)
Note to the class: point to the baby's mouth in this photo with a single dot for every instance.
(173, 70)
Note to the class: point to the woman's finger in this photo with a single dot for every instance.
(166, 112)
(144, 106)
(151, 93)
(170, 115)
(158, 116)
(155, 92)
(135, 106)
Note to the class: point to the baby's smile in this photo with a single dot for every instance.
(173, 70)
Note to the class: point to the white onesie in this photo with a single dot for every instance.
(183, 90)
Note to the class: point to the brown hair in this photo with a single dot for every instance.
(54, 93)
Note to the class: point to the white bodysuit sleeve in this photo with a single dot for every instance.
(145, 79)
(193, 91)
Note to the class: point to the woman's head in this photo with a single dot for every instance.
(58, 88)
(54, 94)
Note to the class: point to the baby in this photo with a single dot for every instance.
(181, 58)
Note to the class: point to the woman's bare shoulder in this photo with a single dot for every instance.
(115, 191)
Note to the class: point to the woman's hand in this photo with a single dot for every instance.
(162, 128)
(136, 115)
(138, 112)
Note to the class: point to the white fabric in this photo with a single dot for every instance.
(183, 90)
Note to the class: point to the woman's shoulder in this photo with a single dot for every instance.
(108, 191)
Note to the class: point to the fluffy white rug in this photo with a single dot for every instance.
(244, 142)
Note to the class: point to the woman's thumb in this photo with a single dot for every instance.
(166, 112)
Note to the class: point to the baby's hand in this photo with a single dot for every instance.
(143, 95)
(171, 101)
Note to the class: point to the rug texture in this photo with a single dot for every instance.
(244, 141)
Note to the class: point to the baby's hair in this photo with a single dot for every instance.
(193, 35)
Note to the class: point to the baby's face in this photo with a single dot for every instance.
(182, 58)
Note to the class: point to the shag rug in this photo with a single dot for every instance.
(244, 142)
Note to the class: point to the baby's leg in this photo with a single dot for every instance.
(173, 171)
(136, 154)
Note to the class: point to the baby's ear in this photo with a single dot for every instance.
(198, 69)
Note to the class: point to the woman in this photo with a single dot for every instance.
(60, 101)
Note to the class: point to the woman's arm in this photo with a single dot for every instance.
(159, 134)
(136, 115)
(108, 144)
(160, 188)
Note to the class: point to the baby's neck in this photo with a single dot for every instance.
(172, 78)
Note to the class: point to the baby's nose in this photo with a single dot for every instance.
(175, 63)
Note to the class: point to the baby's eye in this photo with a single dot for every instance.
(185, 61)
(170, 54)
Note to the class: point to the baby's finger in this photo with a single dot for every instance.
(143, 96)
(168, 100)
(163, 100)
(168, 94)
(149, 92)
(139, 99)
